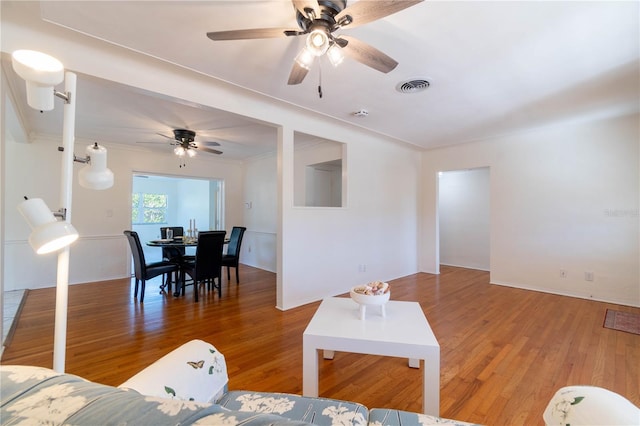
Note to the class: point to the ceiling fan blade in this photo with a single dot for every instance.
(363, 11)
(368, 55)
(251, 34)
(209, 150)
(303, 6)
(208, 143)
(298, 74)
(165, 136)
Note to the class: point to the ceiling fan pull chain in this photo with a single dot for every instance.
(320, 80)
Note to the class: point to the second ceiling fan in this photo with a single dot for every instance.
(184, 141)
(319, 19)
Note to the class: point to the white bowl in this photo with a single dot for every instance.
(366, 299)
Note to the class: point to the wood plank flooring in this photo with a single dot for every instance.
(504, 351)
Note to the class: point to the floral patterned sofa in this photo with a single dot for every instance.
(186, 387)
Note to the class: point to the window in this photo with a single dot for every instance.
(148, 208)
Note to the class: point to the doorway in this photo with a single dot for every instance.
(158, 201)
(464, 218)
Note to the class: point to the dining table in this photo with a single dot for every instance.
(174, 242)
(177, 242)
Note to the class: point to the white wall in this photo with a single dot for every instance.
(260, 213)
(332, 249)
(562, 197)
(464, 211)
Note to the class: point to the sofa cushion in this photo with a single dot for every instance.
(319, 411)
(35, 395)
(389, 417)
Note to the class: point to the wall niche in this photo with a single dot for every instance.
(319, 172)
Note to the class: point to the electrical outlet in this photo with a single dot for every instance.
(563, 273)
(588, 276)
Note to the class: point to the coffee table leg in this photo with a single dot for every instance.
(328, 354)
(414, 363)
(309, 370)
(431, 384)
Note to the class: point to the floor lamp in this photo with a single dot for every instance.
(41, 73)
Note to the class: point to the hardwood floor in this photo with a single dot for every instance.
(504, 351)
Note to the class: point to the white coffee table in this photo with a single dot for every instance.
(403, 332)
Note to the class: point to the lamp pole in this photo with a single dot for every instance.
(66, 185)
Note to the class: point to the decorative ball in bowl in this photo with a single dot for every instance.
(371, 294)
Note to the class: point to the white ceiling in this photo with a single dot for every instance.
(495, 68)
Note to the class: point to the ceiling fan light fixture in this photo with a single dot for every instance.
(191, 152)
(179, 151)
(318, 41)
(305, 58)
(335, 55)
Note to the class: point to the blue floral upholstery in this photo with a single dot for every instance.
(389, 417)
(39, 396)
(319, 411)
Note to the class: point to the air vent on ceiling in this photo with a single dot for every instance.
(413, 86)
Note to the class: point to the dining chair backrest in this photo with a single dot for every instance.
(178, 231)
(208, 262)
(171, 253)
(137, 253)
(235, 241)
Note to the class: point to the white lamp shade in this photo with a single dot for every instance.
(318, 42)
(41, 72)
(48, 234)
(305, 58)
(335, 55)
(96, 175)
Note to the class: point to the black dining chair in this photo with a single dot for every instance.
(231, 258)
(207, 265)
(171, 254)
(145, 271)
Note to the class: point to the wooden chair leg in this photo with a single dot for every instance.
(135, 289)
(228, 274)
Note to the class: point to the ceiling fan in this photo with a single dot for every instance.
(185, 143)
(320, 19)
